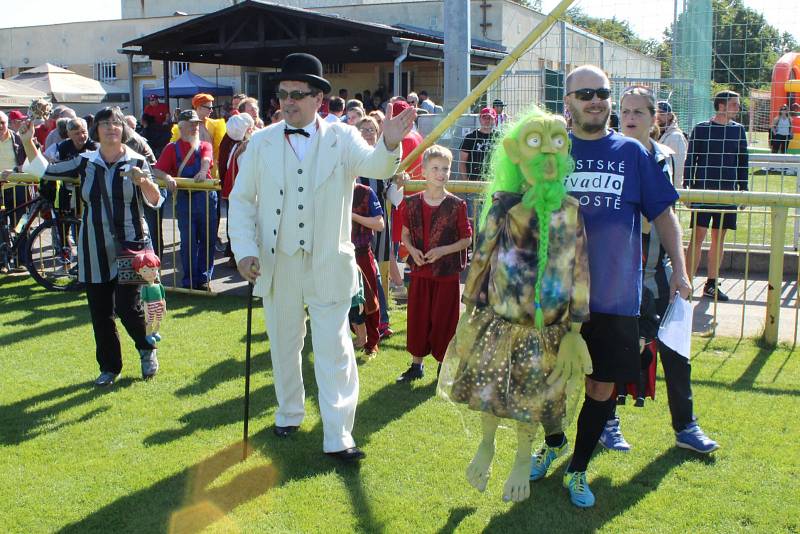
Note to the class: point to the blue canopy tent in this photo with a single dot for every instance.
(189, 84)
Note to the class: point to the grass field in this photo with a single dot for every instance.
(164, 455)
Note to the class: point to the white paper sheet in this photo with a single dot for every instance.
(676, 327)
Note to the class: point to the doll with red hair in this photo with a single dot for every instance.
(147, 265)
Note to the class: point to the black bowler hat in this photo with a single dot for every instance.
(303, 68)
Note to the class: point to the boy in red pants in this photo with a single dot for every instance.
(367, 217)
(436, 233)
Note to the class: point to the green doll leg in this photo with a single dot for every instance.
(479, 468)
(518, 488)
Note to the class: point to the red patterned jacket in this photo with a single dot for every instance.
(443, 231)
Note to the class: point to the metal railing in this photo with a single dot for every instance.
(775, 205)
(167, 222)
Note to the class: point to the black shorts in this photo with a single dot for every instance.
(725, 218)
(613, 342)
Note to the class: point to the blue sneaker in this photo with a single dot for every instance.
(542, 459)
(579, 492)
(693, 438)
(612, 438)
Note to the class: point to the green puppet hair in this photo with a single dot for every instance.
(543, 197)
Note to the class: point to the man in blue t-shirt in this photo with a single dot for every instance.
(616, 182)
(716, 159)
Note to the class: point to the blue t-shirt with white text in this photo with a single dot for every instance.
(616, 181)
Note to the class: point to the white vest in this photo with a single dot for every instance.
(297, 220)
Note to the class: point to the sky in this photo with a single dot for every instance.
(649, 18)
(783, 14)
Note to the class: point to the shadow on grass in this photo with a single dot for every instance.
(184, 502)
(747, 380)
(549, 504)
(457, 515)
(294, 459)
(23, 420)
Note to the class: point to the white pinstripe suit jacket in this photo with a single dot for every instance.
(256, 201)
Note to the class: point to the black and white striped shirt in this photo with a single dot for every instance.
(96, 248)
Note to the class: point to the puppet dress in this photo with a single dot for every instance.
(153, 299)
(498, 361)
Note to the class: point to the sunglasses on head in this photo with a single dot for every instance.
(587, 94)
(295, 95)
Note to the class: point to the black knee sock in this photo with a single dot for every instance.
(591, 421)
(555, 440)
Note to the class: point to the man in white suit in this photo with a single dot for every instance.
(290, 225)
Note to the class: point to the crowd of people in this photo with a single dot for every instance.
(309, 198)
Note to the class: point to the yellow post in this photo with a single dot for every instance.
(775, 281)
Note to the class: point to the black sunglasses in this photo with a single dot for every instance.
(587, 94)
(295, 95)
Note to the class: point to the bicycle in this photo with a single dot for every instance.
(43, 240)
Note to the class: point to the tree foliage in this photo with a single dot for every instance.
(745, 47)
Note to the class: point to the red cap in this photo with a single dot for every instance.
(489, 111)
(15, 115)
(399, 106)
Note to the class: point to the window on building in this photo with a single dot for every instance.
(333, 68)
(178, 67)
(105, 71)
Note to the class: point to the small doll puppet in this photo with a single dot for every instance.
(518, 353)
(146, 265)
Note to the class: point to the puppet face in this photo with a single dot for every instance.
(149, 274)
(541, 149)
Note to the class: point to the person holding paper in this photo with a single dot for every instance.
(615, 182)
(638, 111)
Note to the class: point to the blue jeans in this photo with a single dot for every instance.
(197, 239)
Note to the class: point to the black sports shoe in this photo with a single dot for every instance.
(710, 290)
(413, 373)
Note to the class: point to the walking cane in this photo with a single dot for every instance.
(247, 367)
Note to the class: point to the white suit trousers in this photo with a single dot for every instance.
(334, 359)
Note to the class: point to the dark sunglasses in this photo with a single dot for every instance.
(587, 94)
(295, 95)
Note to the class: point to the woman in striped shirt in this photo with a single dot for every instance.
(125, 175)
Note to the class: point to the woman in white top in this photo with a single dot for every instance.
(781, 131)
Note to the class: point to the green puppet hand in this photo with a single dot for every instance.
(573, 360)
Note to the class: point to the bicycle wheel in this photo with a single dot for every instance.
(52, 257)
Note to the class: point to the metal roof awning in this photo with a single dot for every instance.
(260, 34)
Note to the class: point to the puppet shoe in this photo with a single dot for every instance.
(105, 379)
(579, 492)
(157, 336)
(694, 439)
(151, 339)
(149, 362)
(612, 438)
(542, 458)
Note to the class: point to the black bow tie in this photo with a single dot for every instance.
(300, 131)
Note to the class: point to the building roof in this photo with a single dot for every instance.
(259, 34)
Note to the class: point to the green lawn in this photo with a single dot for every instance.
(163, 456)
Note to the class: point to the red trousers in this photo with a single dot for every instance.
(433, 308)
(372, 311)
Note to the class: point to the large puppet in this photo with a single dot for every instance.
(517, 353)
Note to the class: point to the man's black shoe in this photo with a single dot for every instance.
(710, 290)
(284, 431)
(414, 372)
(353, 454)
